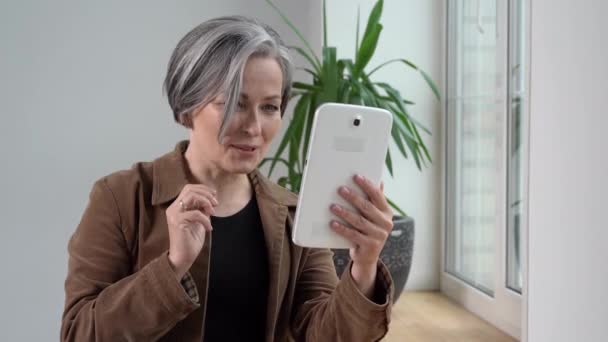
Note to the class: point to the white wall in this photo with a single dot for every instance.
(412, 30)
(80, 97)
(568, 233)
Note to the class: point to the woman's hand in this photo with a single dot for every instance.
(188, 221)
(372, 226)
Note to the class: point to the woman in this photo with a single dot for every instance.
(195, 245)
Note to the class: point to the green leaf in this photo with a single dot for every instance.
(296, 93)
(402, 115)
(284, 141)
(396, 207)
(399, 120)
(370, 38)
(350, 66)
(306, 86)
(367, 95)
(293, 126)
(413, 146)
(422, 145)
(417, 123)
(425, 76)
(355, 98)
(369, 85)
(300, 111)
(330, 75)
(312, 73)
(315, 63)
(344, 91)
(343, 83)
(410, 140)
(404, 128)
(397, 138)
(367, 49)
(431, 84)
(283, 181)
(340, 64)
(405, 101)
(389, 162)
(293, 159)
(390, 62)
(373, 19)
(295, 179)
(395, 97)
(314, 102)
(266, 160)
(294, 29)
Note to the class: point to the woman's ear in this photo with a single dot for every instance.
(186, 121)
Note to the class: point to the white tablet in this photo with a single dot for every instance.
(345, 140)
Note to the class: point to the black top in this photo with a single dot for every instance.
(238, 278)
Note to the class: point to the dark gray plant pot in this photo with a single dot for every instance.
(396, 255)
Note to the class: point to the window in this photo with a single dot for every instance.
(486, 153)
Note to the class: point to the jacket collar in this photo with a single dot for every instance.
(170, 176)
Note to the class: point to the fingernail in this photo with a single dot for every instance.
(359, 178)
(335, 207)
(334, 224)
(344, 190)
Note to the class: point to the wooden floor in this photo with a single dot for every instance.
(432, 317)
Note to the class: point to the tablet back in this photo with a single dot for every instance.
(345, 140)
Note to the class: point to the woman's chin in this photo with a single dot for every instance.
(242, 166)
(241, 162)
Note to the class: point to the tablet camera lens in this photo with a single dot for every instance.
(357, 122)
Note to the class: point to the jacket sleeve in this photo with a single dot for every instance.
(326, 309)
(104, 300)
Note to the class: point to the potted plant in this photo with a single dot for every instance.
(349, 81)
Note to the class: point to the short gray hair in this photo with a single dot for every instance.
(210, 59)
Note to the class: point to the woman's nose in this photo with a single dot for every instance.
(252, 124)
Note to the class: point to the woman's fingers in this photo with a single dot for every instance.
(194, 201)
(197, 199)
(352, 235)
(367, 208)
(194, 217)
(202, 190)
(375, 193)
(188, 222)
(360, 223)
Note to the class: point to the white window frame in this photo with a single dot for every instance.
(506, 308)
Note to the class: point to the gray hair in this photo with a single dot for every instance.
(210, 59)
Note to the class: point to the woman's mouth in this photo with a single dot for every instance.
(244, 149)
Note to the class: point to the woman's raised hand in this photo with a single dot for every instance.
(188, 221)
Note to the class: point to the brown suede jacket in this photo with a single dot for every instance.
(121, 287)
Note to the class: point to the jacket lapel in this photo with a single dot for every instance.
(274, 202)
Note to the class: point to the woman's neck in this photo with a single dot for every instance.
(233, 189)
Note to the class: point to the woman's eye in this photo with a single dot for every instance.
(270, 108)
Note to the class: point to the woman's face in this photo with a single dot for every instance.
(255, 122)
